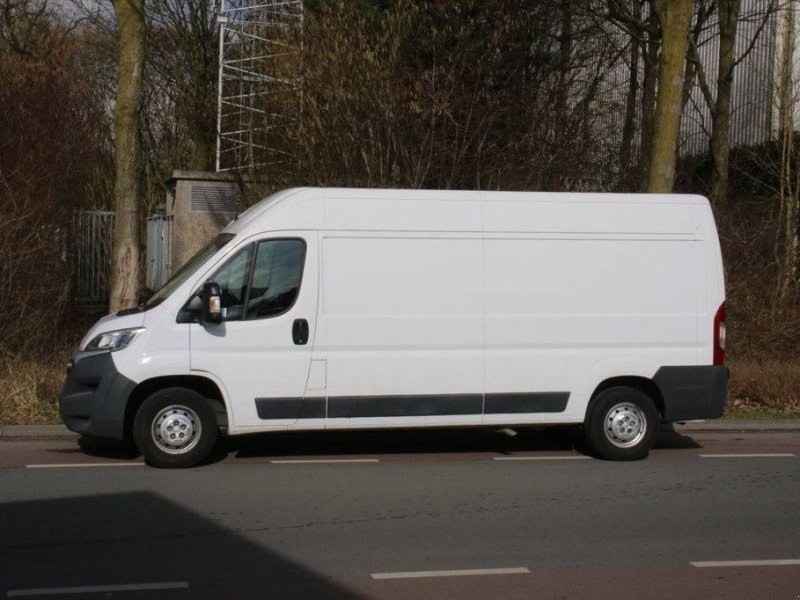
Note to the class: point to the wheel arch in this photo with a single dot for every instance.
(643, 384)
(202, 385)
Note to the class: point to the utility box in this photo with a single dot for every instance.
(198, 206)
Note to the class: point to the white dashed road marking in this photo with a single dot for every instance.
(84, 465)
(100, 589)
(459, 573)
(747, 455)
(323, 461)
(782, 562)
(542, 458)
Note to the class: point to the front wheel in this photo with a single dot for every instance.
(175, 428)
(622, 424)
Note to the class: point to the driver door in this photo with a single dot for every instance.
(261, 352)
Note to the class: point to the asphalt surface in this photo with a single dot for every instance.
(423, 514)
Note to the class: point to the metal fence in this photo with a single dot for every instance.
(90, 253)
(159, 237)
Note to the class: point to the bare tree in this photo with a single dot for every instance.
(128, 158)
(639, 20)
(49, 142)
(182, 69)
(720, 106)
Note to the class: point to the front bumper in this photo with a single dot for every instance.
(95, 396)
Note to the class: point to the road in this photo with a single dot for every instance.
(453, 514)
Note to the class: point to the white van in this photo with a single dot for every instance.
(327, 308)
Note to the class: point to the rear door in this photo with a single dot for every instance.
(261, 352)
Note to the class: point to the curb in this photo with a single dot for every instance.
(8, 432)
(740, 426)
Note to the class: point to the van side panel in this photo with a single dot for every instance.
(603, 291)
(556, 308)
(403, 327)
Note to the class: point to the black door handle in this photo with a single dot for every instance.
(300, 332)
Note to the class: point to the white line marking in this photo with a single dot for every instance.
(99, 589)
(84, 465)
(541, 458)
(323, 461)
(460, 573)
(746, 455)
(747, 563)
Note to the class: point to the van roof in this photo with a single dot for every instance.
(367, 209)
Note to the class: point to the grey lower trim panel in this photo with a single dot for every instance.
(690, 393)
(543, 402)
(290, 408)
(350, 407)
(404, 406)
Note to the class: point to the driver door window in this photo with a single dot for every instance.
(266, 287)
(232, 277)
(276, 278)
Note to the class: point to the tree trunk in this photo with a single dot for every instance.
(202, 136)
(789, 190)
(128, 159)
(675, 17)
(721, 111)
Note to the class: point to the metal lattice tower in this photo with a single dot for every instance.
(260, 45)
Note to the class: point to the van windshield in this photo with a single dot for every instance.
(188, 269)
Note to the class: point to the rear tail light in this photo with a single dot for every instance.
(719, 335)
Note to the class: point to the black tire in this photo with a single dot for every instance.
(621, 424)
(175, 428)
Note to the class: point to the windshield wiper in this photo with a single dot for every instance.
(142, 307)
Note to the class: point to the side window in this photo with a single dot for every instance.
(277, 272)
(232, 278)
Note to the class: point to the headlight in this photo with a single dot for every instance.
(114, 340)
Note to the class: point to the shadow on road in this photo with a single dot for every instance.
(141, 538)
(405, 441)
(104, 448)
(424, 441)
(669, 439)
(390, 442)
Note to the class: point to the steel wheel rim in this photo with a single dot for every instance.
(176, 429)
(625, 425)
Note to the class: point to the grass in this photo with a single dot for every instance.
(764, 389)
(758, 390)
(30, 392)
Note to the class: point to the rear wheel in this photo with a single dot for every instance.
(622, 424)
(174, 428)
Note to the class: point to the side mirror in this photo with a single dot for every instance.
(212, 303)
